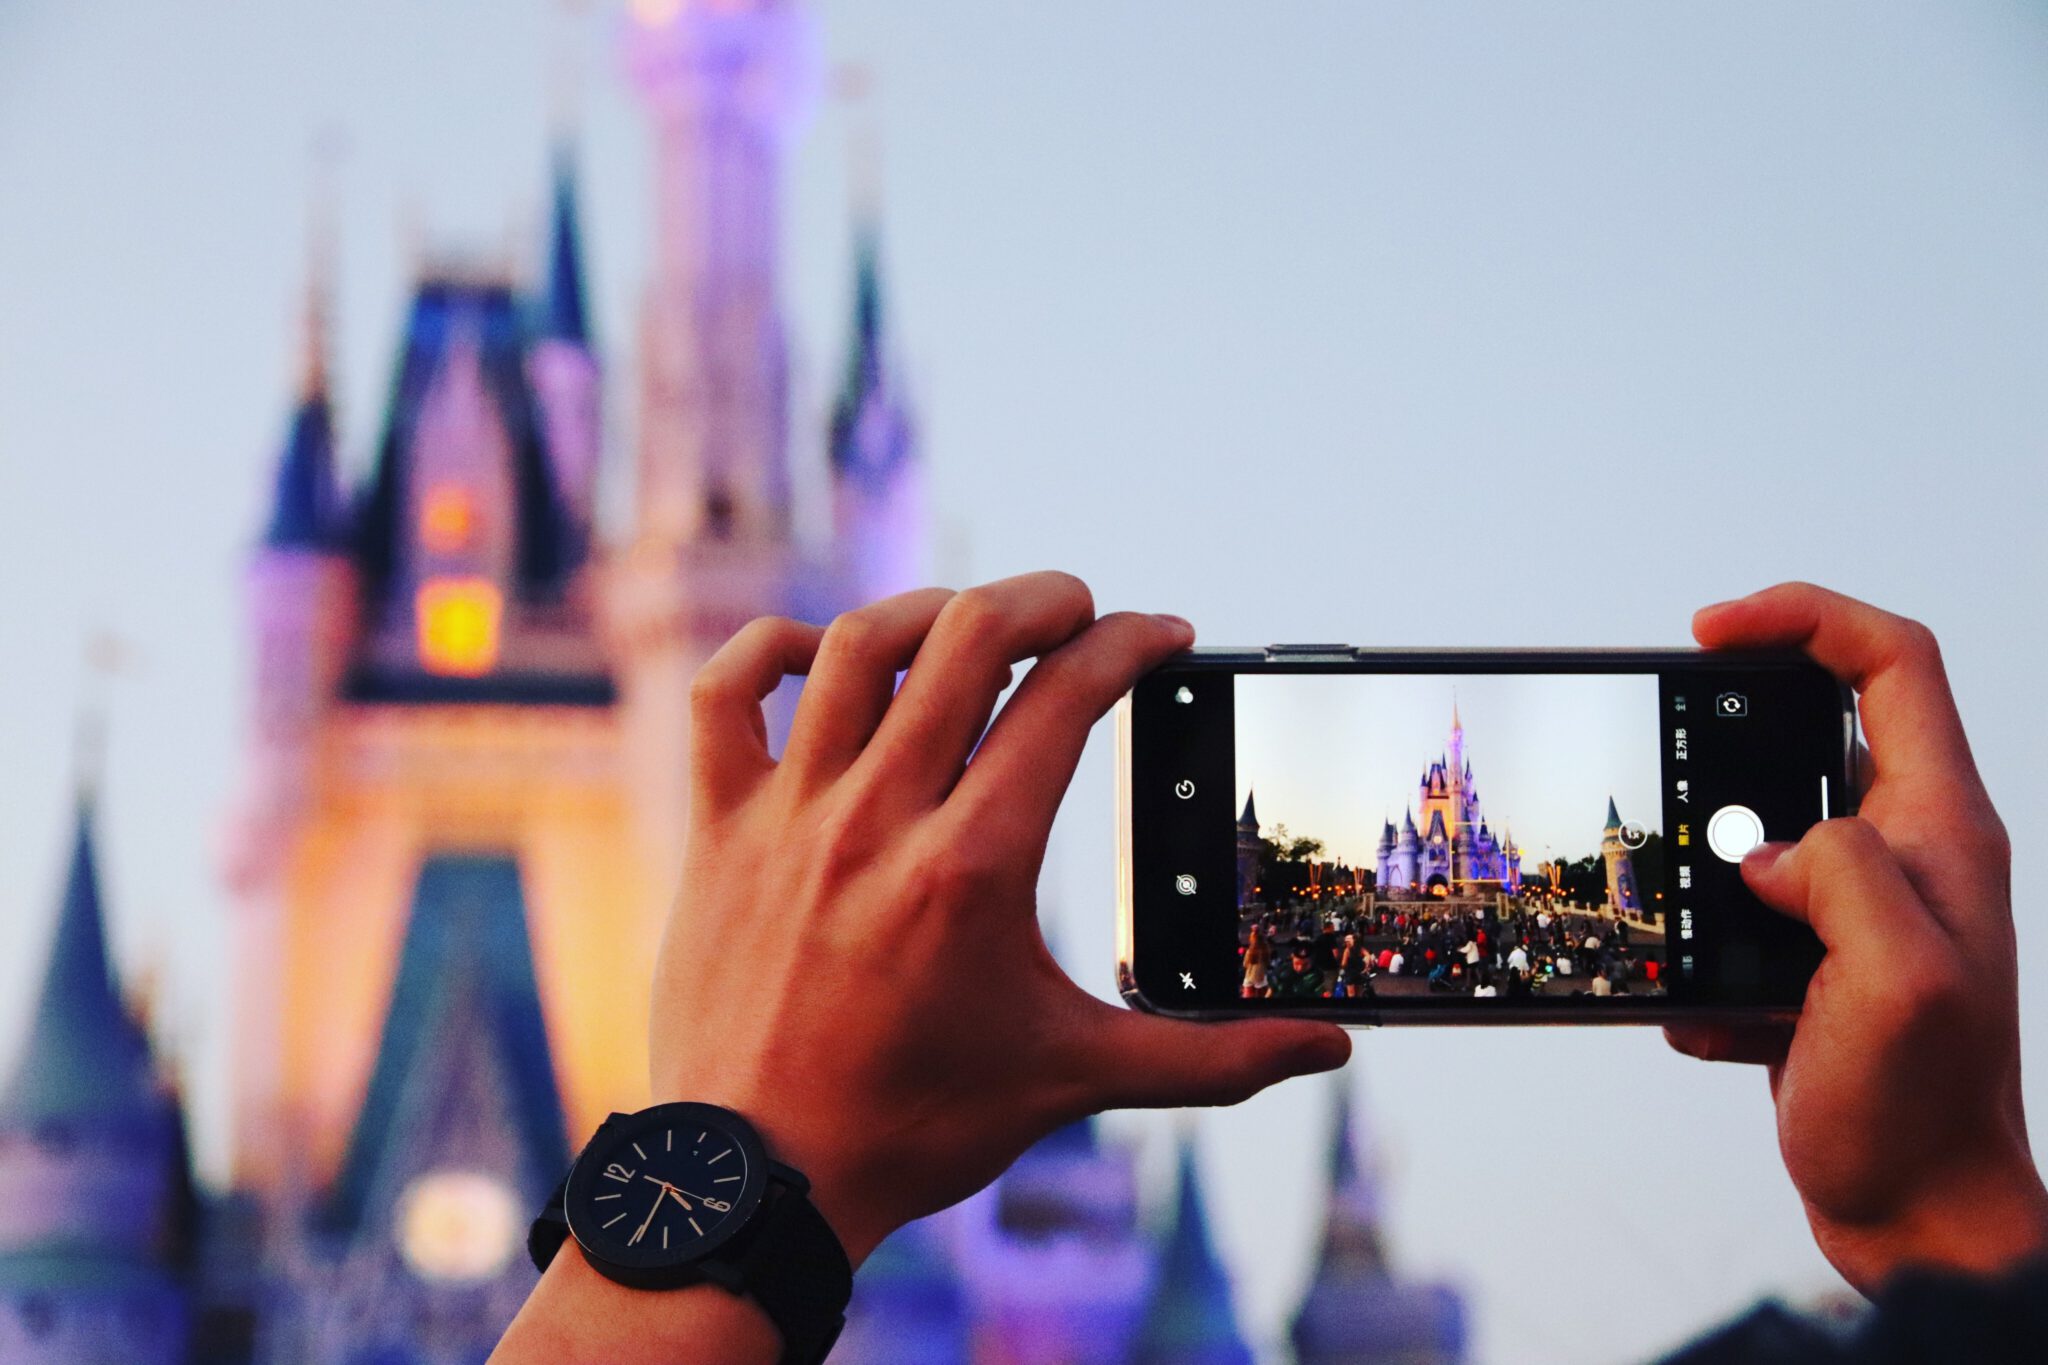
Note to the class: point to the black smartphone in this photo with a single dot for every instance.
(1470, 836)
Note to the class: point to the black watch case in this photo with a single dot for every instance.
(642, 1199)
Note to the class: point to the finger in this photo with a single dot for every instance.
(1758, 1044)
(854, 676)
(1842, 880)
(1144, 1061)
(728, 734)
(1909, 715)
(1013, 787)
(964, 665)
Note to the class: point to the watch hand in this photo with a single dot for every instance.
(642, 1230)
(709, 1203)
(670, 1189)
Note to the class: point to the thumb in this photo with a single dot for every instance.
(1843, 880)
(1148, 1062)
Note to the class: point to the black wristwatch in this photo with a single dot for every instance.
(685, 1194)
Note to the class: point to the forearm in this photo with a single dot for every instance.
(578, 1317)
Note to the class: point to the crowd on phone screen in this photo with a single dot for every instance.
(1336, 950)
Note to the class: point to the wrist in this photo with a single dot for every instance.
(578, 1317)
(1983, 1223)
(814, 1150)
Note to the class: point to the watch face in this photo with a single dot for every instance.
(663, 1187)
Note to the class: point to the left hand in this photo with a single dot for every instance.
(855, 962)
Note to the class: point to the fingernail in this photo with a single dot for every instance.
(1181, 622)
(1763, 857)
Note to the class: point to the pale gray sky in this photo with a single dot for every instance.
(1333, 757)
(1444, 323)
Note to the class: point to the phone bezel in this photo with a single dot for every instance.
(1339, 658)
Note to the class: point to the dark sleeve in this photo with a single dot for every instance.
(1919, 1319)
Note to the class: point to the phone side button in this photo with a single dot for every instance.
(1311, 651)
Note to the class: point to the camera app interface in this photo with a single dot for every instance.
(1414, 839)
(1483, 836)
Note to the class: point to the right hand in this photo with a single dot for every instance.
(1898, 1091)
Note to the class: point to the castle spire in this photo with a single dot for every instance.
(1354, 1296)
(564, 313)
(86, 1055)
(1250, 818)
(871, 432)
(1613, 816)
(1189, 1319)
(306, 511)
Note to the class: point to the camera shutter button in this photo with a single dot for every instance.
(1733, 832)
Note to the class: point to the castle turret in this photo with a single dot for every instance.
(1406, 863)
(878, 508)
(1248, 850)
(1189, 1319)
(1054, 1260)
(96, 1201)
(908, 1306)
(301, 584)
(562, 363)
(1622, 896)
(301, 592)
(727, 84)
(1355, 1311)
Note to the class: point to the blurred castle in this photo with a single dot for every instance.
(1454, 852)
(462, 827)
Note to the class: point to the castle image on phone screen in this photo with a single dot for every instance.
(1479, 835)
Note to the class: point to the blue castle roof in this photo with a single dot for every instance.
(465, 979)
(306, 508)
(86, 1055)
(856, 443)
(443, 311)
(564, 315)
(1189, 1319)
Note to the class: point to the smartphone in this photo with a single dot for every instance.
(1470, 836)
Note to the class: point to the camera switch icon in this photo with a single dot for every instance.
(1184, 789)
(1184, 884)
(1731, 704)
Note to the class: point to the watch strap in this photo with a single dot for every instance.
(549, 1229)
(794, 1267)
(791, 1264)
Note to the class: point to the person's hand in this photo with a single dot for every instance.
(855, 961)
(1898, 1091)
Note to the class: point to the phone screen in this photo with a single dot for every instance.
(1513, 836)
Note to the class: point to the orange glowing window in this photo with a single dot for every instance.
(458, 625)
(447, 519)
